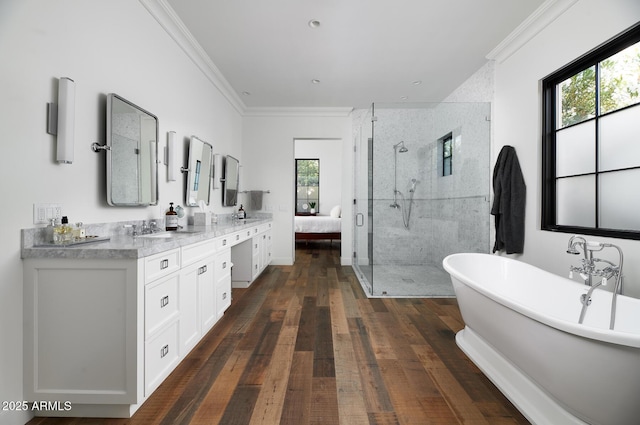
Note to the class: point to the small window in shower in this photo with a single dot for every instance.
(447, 154)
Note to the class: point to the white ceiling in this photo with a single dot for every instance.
(364, 51)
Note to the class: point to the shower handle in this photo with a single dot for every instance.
(359, 219)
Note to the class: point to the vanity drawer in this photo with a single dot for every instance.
(223, 242)
(223, 262)
(160, 357)
(264, 227)
(160, 303)
(197, 251)
(158, 265)
(240, 236)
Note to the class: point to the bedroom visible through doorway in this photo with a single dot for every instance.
(318, 190)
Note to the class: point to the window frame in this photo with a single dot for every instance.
(447, 140)
(549, 115)
(317, 208)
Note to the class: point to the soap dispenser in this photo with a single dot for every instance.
(171, 219)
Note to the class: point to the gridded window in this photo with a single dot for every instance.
(307, 185)
(447, 154)
(591, 150)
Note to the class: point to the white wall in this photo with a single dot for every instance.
(268, 150)
(329, 152)
(517, 117)
(107, 46)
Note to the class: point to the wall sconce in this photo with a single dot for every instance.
(170, 156)
(61, 119)
(217, 171)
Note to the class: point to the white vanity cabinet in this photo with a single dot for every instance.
(251, 256)
(103, 331)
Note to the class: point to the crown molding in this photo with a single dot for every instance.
(297, 112)
(544, 15)
(171, 23)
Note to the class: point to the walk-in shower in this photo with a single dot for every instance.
(431, 200)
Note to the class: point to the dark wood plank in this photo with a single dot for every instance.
(297, 405)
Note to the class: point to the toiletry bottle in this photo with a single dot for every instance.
(241, 213)
(78, 232)
(48, 232)
(66, 231)
(171, 219)
(57, 232)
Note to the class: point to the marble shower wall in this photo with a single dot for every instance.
(449, 213)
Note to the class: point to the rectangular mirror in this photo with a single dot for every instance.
(132, 152)
(230, 181)
(199, 172)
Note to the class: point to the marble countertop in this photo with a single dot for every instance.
(126, 246)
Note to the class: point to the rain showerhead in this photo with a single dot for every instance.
(401, 146)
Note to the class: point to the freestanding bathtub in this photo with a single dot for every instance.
(522, 331)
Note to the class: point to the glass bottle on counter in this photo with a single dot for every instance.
(62, 232)
(171, 219)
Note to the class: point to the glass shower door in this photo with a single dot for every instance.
(363, 211)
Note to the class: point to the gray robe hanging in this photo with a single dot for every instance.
(508, 202)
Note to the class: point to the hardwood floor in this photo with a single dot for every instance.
(304, 345)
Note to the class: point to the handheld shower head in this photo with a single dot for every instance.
(414, 182)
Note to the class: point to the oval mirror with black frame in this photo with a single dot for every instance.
(132, 152)
(230, 181)
(199, 172)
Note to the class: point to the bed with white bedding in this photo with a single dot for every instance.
(316, 227)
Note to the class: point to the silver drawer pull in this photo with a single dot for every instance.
(255, 230)
(224, 242)
(202, 270)
(164, 264)
(248, 232)
(224, 295)
(237, 237)
(164, 351)
(164, 301)
(224, 265)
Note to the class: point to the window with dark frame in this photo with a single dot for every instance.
(307, 185)
(447, 155)
(591, 142)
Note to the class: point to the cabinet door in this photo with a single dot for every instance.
(207, 295)
(223, 282)
(160, 303)
(161, 356)
(189, 322)
(266, 251)
(256, 258)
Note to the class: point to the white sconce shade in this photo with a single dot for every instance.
(170, 156)
(66, 120)
(217, 171)
(61, 119)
